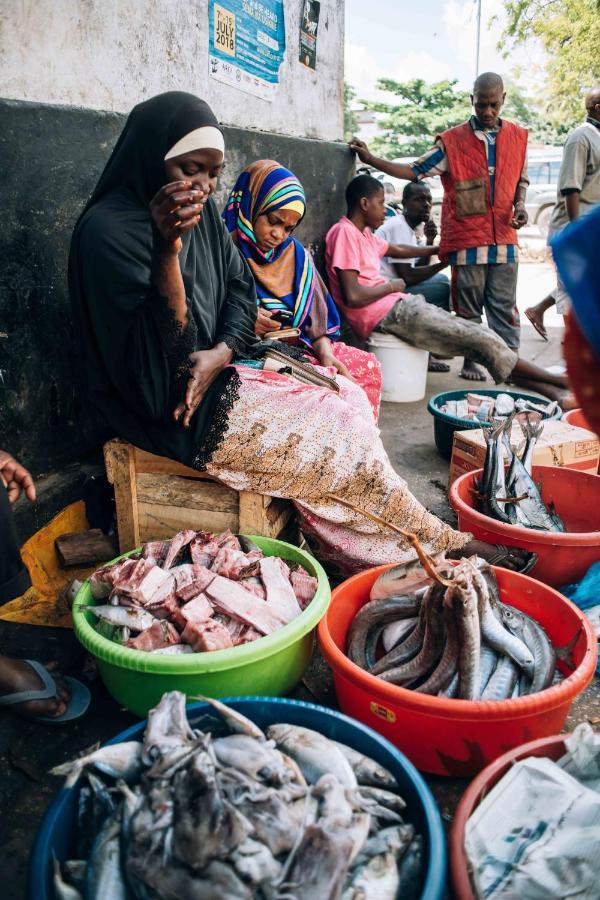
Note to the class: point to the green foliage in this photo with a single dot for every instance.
(350, 117)
(527, 111)
(569, 32)
(421, 111)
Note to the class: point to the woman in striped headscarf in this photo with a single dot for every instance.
(265, 206)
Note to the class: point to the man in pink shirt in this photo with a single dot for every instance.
(353, 255)
(370, 302)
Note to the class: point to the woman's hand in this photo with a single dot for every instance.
(324, 353)
(205, 365)
(15, 478)
(176, 209)
(265, 322)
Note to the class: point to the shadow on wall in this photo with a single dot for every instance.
(50, 159)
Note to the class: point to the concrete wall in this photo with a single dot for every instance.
(50, 159)
(111, 54)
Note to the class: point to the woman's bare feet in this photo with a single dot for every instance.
(471, 372)
(514, 558)
(17, 675)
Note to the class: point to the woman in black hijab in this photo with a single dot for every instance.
(164, 304)
(154, 278)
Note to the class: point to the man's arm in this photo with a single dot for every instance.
(357, 295)
(416, 274)
(410, 251)
(396, 170)
(572, 174)
(572, 204)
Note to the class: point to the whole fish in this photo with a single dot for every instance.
(367, 771)
(376, 879)
(104, 876)
(533, 635)
(531, 510)
(442, 675)
(411, 871)
(431, 649)
(487, 664)
(462, 598)
(123, 617)
(494, 488)
(395, 631)
(117, 760)
(496, 635)
(376, 613)
(405, 578)
(314, 753)
(502, 680)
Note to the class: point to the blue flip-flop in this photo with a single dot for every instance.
(76, 707)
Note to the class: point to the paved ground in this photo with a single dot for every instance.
(28, 750)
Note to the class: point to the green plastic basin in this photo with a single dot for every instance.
(271, 665)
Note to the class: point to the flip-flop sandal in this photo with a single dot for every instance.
(504, 552)
(435, 365)
(539, 328)
(76, 707)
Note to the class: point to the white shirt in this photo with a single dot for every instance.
(396, 230)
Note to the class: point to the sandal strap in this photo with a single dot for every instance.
(49, 690)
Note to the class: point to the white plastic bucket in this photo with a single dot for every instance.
(403, 368)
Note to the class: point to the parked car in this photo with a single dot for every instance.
(543, 167)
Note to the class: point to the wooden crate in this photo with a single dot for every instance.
(156, 497)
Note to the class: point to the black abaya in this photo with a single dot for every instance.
(133, 352)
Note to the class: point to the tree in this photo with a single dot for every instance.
(569, 32)
(421, 112)
(529, 112)
(350, 117)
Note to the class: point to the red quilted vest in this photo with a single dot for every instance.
(468, 217)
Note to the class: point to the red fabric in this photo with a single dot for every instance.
(364, 368)
(583, 367)
(467, 159)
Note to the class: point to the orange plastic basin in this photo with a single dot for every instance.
(458, 737)
(563, 558)
(551, 747)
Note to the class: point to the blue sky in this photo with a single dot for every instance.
(430, 39)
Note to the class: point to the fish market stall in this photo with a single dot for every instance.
(295, 798)
(246, 625)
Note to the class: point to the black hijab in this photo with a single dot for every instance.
(133, 354)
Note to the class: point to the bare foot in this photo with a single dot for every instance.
(17, 675)
(537, 320)
(471, 372)
(435, 365)
(514, 559)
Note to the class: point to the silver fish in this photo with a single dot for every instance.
(502, 680)
(123, 617)
(377, 879)
(104, 876)
(117, 760)
(257, 758)
(533, 635)
(314, 753)
(366, 770)
(62, 889)
(405, 578)
(395, 631)
(487, 663)
(236, 721)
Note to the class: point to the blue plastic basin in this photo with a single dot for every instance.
(57, 831)
(444, 425)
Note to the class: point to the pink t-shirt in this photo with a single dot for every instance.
(347, 247)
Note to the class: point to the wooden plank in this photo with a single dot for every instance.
(278, 509)
(172, 490)
(252, 514)
(158, 522)
(120, 468)
(84, 548)
(149, 463)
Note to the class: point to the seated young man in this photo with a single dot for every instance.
(371, 302)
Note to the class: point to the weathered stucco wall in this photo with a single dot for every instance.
(50, 159)
(111, 54)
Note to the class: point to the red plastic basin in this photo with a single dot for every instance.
(458, 737)
(563, 558)
(550, 747)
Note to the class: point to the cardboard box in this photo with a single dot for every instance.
(560, 444)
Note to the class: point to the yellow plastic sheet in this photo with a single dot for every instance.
(45, 602)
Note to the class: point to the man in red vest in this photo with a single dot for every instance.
(482, 164)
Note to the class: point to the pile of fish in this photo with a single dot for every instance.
(482, 408)
(232, 812)
(197, 592)
(511, 495)
(452, 637)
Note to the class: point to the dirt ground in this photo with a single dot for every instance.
(28, 750)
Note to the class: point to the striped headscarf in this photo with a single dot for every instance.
(285, 276)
